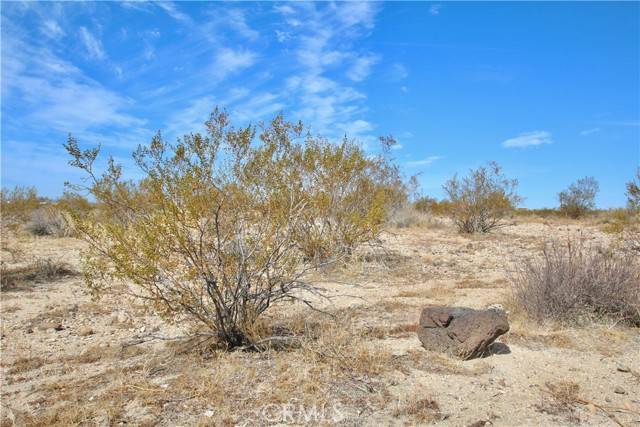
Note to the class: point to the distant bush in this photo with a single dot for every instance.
(542, 212)
(48, 221)
(432, 206)
(224, 225)
(19, 202)
(408, 216)
(572, 283)
(580, 198)
(633, 193)
(74, 202)
(480, 201)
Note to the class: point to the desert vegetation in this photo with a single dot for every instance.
(479, 202)
(579, 198)
(573, 282)
(225, 228)
(262, 269)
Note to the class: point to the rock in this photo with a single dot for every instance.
(619, 390)
(623, 368)
(461, 332)
(85, 331)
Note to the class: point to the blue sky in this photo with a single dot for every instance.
(549, 90)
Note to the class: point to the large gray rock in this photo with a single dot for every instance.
(461, 332)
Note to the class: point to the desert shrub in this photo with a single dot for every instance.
(580, 198)
(633, 193)
(573, 283)
(432, 206)
(480, 201)
(48, 221)
(408, 216)
(41, 270)
(224, 225)
(349, 196)
(542, 212)
(70, 201)
(19, 202)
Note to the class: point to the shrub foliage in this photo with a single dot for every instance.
(580, 198)
(224, 224)
(633, 193)
(480, 201)
(18, 203)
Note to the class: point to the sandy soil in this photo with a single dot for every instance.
(368, 370)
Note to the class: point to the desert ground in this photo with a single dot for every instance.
(69, 360)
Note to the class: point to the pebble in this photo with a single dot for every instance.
(619, 390)
(623, 368)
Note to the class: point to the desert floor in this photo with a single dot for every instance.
(68, 360)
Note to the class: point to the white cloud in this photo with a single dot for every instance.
(361, 67)
(399, 72)
(323, 37)
(359, 14)
(435, 9)
(424, 162)
(171, 10)
(59, 95)
(590, 131)
(93, 45)
(528, 139)
(51, 29)
(236, 19)
(228, 61)
(397, 146)
(282, 36)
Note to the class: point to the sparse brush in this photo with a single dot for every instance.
(574, 283)
(42, 270)
(19, 202)
(580, 198)
(226, 224)
(48, 221)
(407, 216)
(480, 201)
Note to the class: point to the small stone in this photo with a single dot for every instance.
(619, 390)
(623, 368)
(208, 413)
(85, 331)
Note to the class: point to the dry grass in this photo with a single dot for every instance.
(26, 364)
(573, 283)
(561, 398)
(424, 410)
(40, 271)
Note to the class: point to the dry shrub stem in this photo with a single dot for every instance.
(573, 283)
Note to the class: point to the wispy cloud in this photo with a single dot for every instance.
(590, 131)
(528, 139)
(237, 20)
(424, 162)
(399, 72)
(172, 10)
(57, 94)
(92, 44)
(434, 9)
(361, 67)
(228, 61)
(51, 29)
